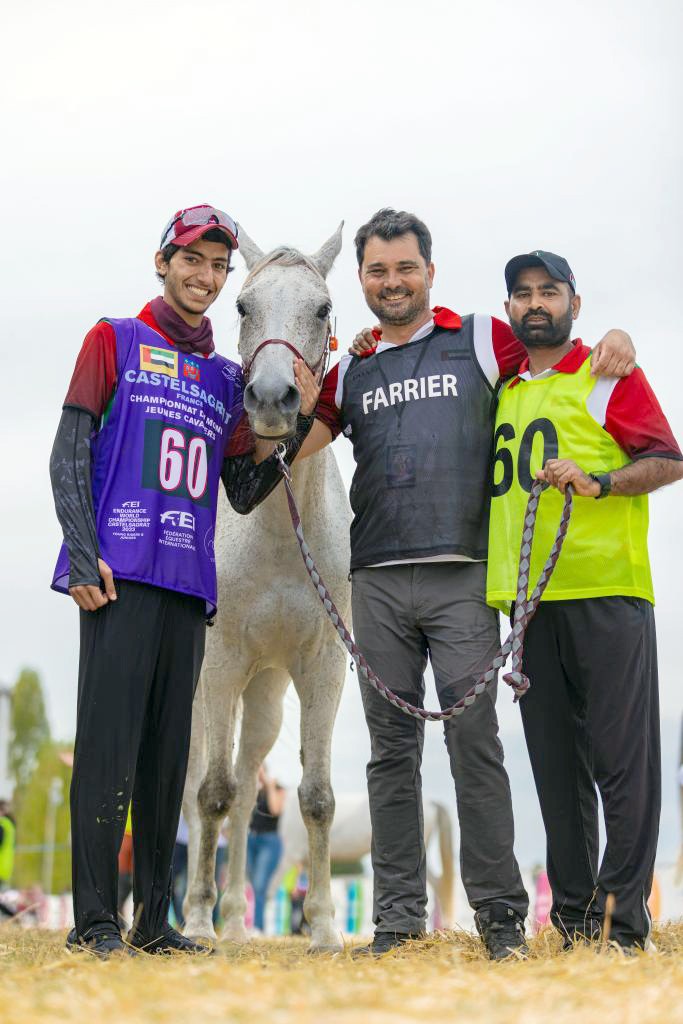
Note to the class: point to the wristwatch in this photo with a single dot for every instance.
(605, 482)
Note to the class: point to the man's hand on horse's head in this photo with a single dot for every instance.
(309, 389)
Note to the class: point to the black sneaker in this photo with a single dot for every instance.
(576, 936)
(383, 942)
(101, 944)
(631, 945)
(170, 942)
(501, 930)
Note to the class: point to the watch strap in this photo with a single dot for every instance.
(605, 482)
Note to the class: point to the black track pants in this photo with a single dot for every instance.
(139, 664)
(592, 717)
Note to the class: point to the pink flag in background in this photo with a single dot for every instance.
(543, 901)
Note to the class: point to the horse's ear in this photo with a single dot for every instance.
(250, 251)
(328, 252)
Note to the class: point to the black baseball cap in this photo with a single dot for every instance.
(556, 266)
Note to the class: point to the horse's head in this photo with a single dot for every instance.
(284, 309)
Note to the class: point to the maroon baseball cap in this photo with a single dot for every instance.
(186, 226)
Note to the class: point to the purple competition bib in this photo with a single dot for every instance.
(156, 464)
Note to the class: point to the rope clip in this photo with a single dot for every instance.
(280, 452)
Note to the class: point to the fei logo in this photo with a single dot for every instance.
(191, 369)
(182, 520)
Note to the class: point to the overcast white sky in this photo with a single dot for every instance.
(506, 126)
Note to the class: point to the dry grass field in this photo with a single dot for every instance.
(443, 979)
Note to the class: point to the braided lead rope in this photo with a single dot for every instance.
(525, 607)
(513, 643)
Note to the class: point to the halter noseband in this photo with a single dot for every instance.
(318, 370)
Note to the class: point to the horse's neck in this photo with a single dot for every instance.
(310, 484)
(309, 488)
(306, 476)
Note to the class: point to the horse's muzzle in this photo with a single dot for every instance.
(267, 400)
(272, 417)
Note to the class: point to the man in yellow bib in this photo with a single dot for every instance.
(591, 716)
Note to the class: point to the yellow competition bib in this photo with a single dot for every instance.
(605, 551)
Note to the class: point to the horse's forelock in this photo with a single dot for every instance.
(284, 256)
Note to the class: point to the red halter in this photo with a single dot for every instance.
(318, 370)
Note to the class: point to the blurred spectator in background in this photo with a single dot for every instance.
(125, 869)
(180, 871)
(264, 845)
(7, 844)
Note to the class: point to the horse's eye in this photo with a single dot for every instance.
(324, 311)
(240, 308)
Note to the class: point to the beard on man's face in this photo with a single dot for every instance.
(397, 313)
(552, 333)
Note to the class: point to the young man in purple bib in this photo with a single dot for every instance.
(142, 445)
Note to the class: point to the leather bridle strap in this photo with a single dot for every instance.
(315, 370)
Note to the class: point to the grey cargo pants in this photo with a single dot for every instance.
(403, 615)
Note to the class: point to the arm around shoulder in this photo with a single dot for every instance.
(614, 355)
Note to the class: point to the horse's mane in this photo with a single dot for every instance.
(284, 256)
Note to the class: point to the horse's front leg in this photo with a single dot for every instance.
(319, 689)
(214, 798)
(261, 722)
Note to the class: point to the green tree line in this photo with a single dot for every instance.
(34, 762)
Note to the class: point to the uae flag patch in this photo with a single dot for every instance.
(159, 360)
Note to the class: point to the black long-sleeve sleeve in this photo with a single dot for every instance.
(72, 492)
(248, 484)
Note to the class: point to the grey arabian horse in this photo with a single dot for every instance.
(270, 627)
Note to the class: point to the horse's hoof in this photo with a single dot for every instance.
(200, 936)
(235, 931)
(330, 944)
(198, 930)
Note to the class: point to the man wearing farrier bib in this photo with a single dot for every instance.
(139, 455)
(419, 413)
(591, 715)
